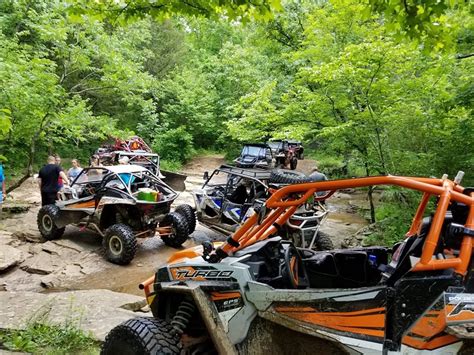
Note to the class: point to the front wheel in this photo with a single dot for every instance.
(46, 217)
(147, 336)
(119, 244)
(179, 229)
(293, 163)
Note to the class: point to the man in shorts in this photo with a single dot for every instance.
(48, 181)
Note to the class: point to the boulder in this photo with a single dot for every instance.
(27, 237)
(42, 263)
(95, 311)
(10, 256)
(6, 238)
(19, 280)
(52, 248)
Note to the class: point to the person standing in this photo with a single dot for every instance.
(74, 171)
(3, 193)
(60, 179)
(315, 176)
(48, 181)
(126, 177)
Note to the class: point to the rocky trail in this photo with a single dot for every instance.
(65, 270)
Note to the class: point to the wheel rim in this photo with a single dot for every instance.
(47, 223)
(115, 245)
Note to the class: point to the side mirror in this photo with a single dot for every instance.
(205, 176)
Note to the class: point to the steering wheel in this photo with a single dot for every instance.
(89, 189)
(219, 191)
(293, 271)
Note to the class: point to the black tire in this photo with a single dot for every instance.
(147, 336)
(180, 229)
(467, 348)
(323, 242)
(293, 163)
(281, 176)
(119, 244)
(45, 220)
(188, 213)
(301, 155)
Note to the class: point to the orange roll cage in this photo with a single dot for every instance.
(283, 203)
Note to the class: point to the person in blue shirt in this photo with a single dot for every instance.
(74, 171)
(126, 177)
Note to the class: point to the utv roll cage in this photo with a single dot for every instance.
(283, 203)
(257, 175)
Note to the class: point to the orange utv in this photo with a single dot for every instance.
(256, 293)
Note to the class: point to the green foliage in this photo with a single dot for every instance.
(136, 9)
(427, 20)
(331, 165)
(170, 165)
(394, 219)
(5, 122)
(394, 214)
(174, 144)
(49, 339)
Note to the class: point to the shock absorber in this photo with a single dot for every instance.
(183, 316)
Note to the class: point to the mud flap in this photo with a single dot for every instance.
(459, 308)
(174, 180)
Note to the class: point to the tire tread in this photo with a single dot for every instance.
(129, 244)
(188, 212)
(53, 212)
(143, 335)
(180, 224)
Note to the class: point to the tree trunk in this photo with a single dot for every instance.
(370, 195)
(18, 183)
(381, 154)
(31, 157)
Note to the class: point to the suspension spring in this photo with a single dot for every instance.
(183, 316)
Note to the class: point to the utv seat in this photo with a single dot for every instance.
(344, 268)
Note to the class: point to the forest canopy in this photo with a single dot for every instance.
(365, 84)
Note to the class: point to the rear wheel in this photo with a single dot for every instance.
(119, 244)
(188, 213)
(179, 227)
(46, 217)
(147, 336)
